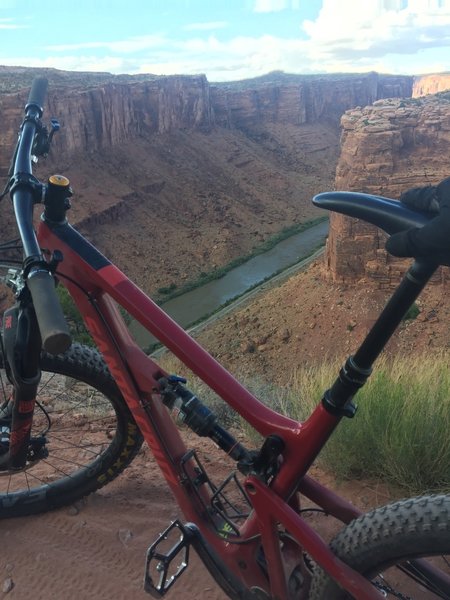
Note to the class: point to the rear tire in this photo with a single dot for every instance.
(92, 437)
(390, 535)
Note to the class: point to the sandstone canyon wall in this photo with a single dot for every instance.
(430, 84)
(297, 99)
(174, 175)
(385, 149)
(111, 112)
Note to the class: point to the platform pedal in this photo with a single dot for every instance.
(167, 559)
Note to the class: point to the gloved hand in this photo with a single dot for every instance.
(431, 241)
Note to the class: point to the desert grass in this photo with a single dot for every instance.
(399, 435)
(401, 430)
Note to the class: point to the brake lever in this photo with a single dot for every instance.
(43, 139)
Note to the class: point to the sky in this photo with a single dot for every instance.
(227, 39)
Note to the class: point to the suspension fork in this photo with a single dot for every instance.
(22, 350)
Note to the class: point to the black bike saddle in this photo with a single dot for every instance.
(389, 215)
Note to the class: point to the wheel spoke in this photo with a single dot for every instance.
(84, 428)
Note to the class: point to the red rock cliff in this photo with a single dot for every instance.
(385, 149)
(431, 84)
(297, 99)
(104, 113)
(194, 174)
(108, 114)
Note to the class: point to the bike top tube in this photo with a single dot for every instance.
(275, 471)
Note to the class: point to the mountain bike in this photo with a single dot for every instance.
(74, 417)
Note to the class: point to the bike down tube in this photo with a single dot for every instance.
(136, 375)
(158, 429)
(232, 556)
(108, 278)
(298, 456)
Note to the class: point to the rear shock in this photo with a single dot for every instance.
(186, 408)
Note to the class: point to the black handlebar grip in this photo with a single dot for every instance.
(37, 94)
(50, 317)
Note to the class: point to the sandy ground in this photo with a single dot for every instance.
(96, 548)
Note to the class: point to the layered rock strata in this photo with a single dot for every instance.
(430, 84)
(159, 159)
(107, 115)
(113, 111)
(386, 148)
(297, 99)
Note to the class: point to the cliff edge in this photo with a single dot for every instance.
(174, 176)
(386, 148)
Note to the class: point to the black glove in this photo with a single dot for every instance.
(433, 239)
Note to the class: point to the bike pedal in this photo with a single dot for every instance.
(172, 546)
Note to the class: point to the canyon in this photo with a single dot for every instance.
(213, 170)
(324, 313)
(167, 198)
(174, 176)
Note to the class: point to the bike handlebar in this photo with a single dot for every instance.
(37, 94)
(40, 281)
(52, 323)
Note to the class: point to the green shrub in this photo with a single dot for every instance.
(168, 289)
(75, 321)
(400, 431)
(412, 313)
(399, 434)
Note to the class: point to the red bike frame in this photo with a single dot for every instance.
(96, 286)
(265, 552)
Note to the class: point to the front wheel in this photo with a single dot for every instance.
(382, 544)
(90, 435)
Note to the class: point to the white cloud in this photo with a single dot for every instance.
(126, 46)
(9, 24)
(205, 26)
(237, 58)
(391, 36)
(266, 6)
(348, 30)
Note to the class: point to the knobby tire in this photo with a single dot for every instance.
(388, 536)
(92, 438)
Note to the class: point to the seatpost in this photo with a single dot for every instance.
(409, 289)
(353, 375)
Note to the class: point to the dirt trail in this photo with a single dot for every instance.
(95, 549)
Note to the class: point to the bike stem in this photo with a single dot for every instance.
(353, 375)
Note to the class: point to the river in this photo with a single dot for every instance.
(202, 301)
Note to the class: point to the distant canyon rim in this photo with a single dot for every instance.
(175, 176)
